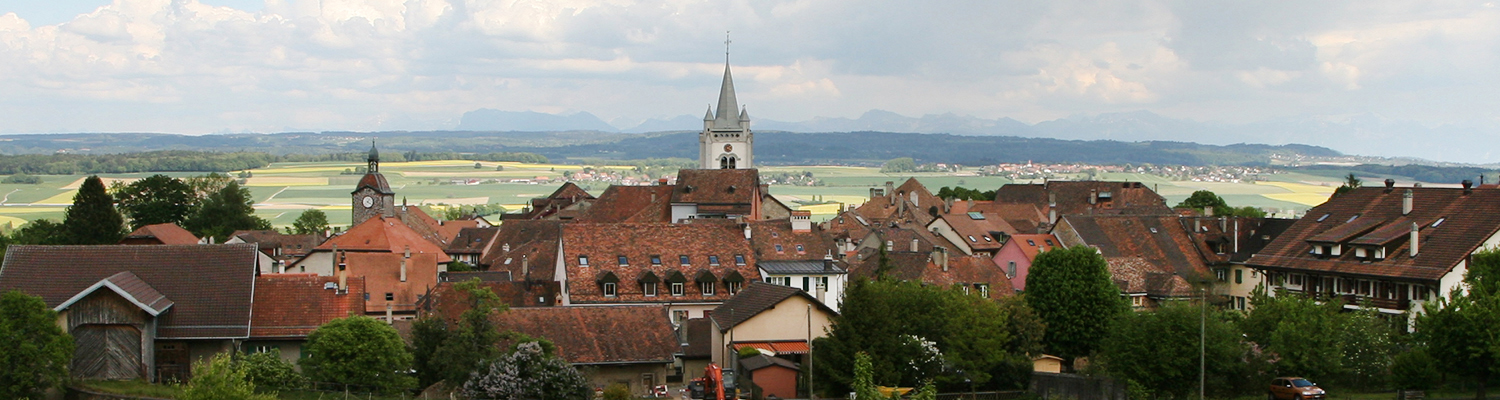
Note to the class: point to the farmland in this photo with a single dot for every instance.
(283, 190)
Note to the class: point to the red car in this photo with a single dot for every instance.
(1294, 388)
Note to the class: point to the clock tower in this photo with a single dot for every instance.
(726, 141)
(372, 197)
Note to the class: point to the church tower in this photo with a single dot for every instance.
(726, 141)
(372, 197)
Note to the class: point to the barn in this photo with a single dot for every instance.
(140, 312)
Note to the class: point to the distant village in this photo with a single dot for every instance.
(649, 282)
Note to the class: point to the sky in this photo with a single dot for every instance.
(206, 66)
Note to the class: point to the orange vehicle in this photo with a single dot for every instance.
(1294, 388)
(712, 386)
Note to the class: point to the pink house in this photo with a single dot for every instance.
(1016, 254)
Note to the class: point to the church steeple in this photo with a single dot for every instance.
(726, 141)
(373, 160)
(725, 116)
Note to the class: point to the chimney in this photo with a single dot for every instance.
(1197, 225)
(940, 258)
(661, 182)
(948, 205)
(1414, 239)
(1390, 184)
(525, 268)
(971, 205)
(389, 319)
(801, 221)
(914, 244)
(343, 274)
(1093, 196)
(1468, 187)
(1236, 235)
(1406, 202)
(1052, 217)
(747, 230)
(403, 263)
(1208, 211)
(1051, 199)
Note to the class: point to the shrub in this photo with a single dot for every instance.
(617, 391)
(1415, 370)
(36, 352)
(528, 373)
(359, 351)
(23, 179)
(218, 378)
(269, 370)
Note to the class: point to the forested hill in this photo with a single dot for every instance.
(771, 147)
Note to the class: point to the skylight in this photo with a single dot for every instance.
(975, 215)
(1439, 222)
(1325, 216)
(1351, 219)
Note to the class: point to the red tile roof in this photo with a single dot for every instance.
(1134, 275)
(630, 204)
(1031, 244)
(717, 186)
(167, 233)
(1468, 221)
(384, 235)
(450, 229)
(981, 234)
(1074, 197)
(268, 241)
(210, 285)
(603, 244)
(1158, 239)
(448, 302)
(293, 305)
(374, 181)
(926, 268)
(382, 273)
(767, 234)
(565, 196)
(847, 225)
(599, 335)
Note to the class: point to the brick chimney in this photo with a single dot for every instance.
(890, 190)
(1406, 199)
(914, 244)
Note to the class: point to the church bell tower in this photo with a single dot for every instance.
(726, 140)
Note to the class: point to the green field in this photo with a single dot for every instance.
(282, 191)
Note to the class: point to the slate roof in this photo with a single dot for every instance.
(603, 244)
(801, 267)
(168, 233)
(717, 186)
(767, 234)
(536, 240)
(630, 204)
(755, 299)
(210, 285)
(1468, 221)
(293, 305)
(382, 234)
(599, 335)
(382, 273)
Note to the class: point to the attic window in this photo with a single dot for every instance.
(1153, 230)
(507, 260)
(390, 296)
(778, 248)
(683, 259)
(609, 289)
(799, 249)
(624, 261)
(975, 215)
(1030, 242)
(583, 261)
(971, 238)
(713, 260)
(987, 239)
(1049, 242)
(1325, 216)
(655, 260)
(1351, 219)
(1438, 222)
(739, 259)
(730, 189)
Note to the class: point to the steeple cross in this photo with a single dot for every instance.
(726, 45)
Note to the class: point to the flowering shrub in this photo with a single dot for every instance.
(527, 374)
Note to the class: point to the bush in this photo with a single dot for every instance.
(269, 370)
(528, 373)
(359, 350)
(218, 378)
(1415, 370)
(617, 391)
(23, 179)
(37, 351)
(747, 352)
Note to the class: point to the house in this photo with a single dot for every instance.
(1392, 248)
(168, 233)
(1153, 258)
(1055, 199)
(794, 252)
(375, 235)
(277, 249)
(976, 274)
(632, 345)
(394, 283)
(140, 312)
(1015, 257)
(469, 244)
(1238, 281)
(565, 203)
(697, 194)
(696, 335)
(630, 204)
(972, 232)
(910, 201)
(693, 267)
(526, 249)
(288, 307)
(446, 299)
(780, 321)
(775, 376)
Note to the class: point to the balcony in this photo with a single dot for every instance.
(1356, 300)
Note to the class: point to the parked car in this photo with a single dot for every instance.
(1294, 388)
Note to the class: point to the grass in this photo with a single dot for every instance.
(131, 388)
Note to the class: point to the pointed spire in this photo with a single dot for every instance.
(709, 116)
(744, 116)
(724, 116)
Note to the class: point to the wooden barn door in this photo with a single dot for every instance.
(107, 352)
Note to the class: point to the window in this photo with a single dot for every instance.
(823, 283)
(683, 259)
(609, 289)
(261, 349)
(1010, 269)
(1221, 275)
(966, 289)
(677, 289)
(649, 288)
(707, 288)
(1351, 219)
(1296, 280)
(655, 260)
(1325, 216)
(1030, 242)
(1239, 276)
(679, 315)
(971, 239)
(1153, 230)
(1439, 222)
(390, 296)
(732, 287)
(1049, 242)
(987, 239)
(984, 290)
(1419, 293)
(583, 261)
(800, 250)
(739, 259)
(779, 280)
(624, 261)
(713, 260)
(778, 248)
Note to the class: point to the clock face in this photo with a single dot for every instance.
(728, 148)
(369, 201)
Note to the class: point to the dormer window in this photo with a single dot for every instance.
(609, 289)
(778, 249)
(739, 259)
(683, 259)
(677, 289)
(624, 261)
(655, 260)
(713, 260)
(583, 261)
(800, 250)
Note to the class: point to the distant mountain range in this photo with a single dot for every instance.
(1366, 134)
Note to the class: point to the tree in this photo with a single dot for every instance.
(42, 231)
(1459, 331)
(1351, 182)
(218, 378)
(311, 222)
(37, 351)
(23, 179)
(1203, 199)
(1302, 332)
(528, 373)
(1159, 350)
(1415, 370)
(267, 369)
(963, 193)
(897, 323)
(92, 219)
(899, 165)
(1071, 290)
(228, 210)
(472, 341)
(358, 350)
(157, 199)
(206, 185)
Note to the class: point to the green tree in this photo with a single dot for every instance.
(1415, 370)
(268, 369)
(1160, 349)
(1459, 332)
(1303, 333)
(23, 179)
(899, 165)
(1072, 292)
(157, 199)
(475, 338)
(218, 378)
(1351, 182)
(358, 350)
(228, 210)
(42, 231)
(92, 219)
(528, 373)
(311, 222)
(1203, 199)
(37, 351)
